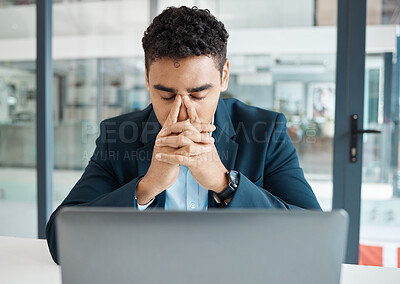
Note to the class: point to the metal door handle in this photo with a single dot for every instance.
(354, 133)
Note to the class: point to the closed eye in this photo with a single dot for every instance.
(172, 97)
(197, 98)
(168, 98)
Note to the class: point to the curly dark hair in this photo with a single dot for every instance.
(182, 32)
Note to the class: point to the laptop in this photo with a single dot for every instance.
(123, 245)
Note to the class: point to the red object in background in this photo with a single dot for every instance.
(371, 255)
(398, 257)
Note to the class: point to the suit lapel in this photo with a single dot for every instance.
(145, 153)
(226, 147)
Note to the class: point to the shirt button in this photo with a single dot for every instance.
(192, 205)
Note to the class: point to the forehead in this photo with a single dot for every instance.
(194, 67)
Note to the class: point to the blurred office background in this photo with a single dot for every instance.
(283, 57)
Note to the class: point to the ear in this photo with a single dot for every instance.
(147, 79)
(225, 76)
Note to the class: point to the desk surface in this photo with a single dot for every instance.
(29, 261)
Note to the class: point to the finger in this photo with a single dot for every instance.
(193, 150)
(205, 127)
(177, 159)
(191, 110)
(173, 141)
(182, 126)
(185, 138)
(197, 137)
(174, 112)
(175, 128)
(167, 159)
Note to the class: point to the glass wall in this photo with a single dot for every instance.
(90, 90)
(282, 58)
(18, 205)
(260, 14)
(302, 86)
(98, 67)
(380, 206)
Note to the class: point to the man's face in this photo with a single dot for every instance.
(196, 77)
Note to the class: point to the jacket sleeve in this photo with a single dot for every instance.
(98, 186)
(283, 184)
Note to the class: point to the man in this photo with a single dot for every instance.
(190, 150)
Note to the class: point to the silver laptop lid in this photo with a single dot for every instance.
(120, 245)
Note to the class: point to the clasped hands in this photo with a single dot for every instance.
(185, 143)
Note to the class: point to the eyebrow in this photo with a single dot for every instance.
(199, 89)
(163, 88)
(191, 90)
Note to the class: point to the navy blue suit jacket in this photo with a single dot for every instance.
(251, 140)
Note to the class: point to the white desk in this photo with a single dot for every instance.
(29, 261)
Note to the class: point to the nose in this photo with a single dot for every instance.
(183, 115)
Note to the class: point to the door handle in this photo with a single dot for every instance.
(354, 134)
